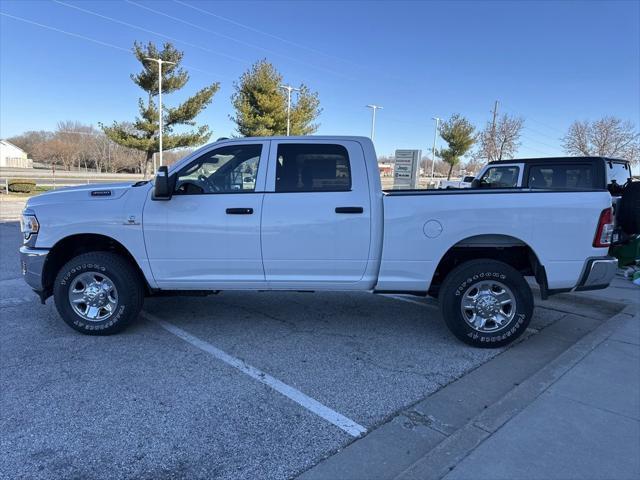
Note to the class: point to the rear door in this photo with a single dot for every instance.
(316, 214)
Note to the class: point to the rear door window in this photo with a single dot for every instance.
(500, 177)
(570, 176)
(308, 167)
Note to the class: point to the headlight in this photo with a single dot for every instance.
(29, 224)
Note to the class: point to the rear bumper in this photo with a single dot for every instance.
(32, 266)
(597, 273)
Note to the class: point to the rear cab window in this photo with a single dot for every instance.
(309, 167)
(503, 176)
(559, 176)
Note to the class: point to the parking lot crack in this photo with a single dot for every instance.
(408, 371)
(263, 314)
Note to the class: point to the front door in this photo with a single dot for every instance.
(316, 215)
(208, 234)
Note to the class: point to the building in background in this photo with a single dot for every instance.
(13, 157)
(385, 168)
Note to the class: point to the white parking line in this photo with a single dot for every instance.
(340, 421)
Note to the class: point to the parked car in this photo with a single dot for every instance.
(573, 173)
(465, 182)
(556, 173)
(316, 218)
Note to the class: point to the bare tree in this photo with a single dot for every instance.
(77, 145)
(474, 165)
(32, 142)
(74, 143)
(500, 140)
(607, 137)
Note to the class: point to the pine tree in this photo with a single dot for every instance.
(143, 133)
(261, 105)
(458, 133)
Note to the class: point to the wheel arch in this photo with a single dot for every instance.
(505, 248)
(73, 245)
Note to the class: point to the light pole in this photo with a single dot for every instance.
(160, 62)
(433, 149)
(373, 118)
(289, 89)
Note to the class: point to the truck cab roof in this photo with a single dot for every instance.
(557, 159)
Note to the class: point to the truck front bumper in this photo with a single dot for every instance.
(597, 273)
(32, 266)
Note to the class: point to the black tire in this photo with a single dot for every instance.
(458, 284)
(119, 272)
(628, 211)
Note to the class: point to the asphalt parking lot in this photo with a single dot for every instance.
(236, 385)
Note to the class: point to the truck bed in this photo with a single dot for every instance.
(420, 226)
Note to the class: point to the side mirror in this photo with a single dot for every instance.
(162, 189)
(475, 183)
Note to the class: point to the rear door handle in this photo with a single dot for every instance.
(239, 211)
(349, 210)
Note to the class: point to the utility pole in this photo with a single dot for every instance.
(433, 149)
(160, 62)
(495, 113)
(289, 89)
(493, 131)
(373, 118)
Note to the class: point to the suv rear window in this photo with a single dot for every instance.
(561, 176)
(618, 174)
(500, 177)
(308, 167)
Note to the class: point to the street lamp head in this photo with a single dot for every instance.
(289, 88)
(159, 60)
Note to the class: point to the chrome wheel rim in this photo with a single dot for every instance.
(93, 296)
(488, 306)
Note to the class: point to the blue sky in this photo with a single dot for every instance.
(550, 62)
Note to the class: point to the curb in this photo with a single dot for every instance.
(446, 455)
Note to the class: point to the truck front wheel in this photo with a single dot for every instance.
(486, 303)
(98, 293)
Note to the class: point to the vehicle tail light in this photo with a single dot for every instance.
(604, 232)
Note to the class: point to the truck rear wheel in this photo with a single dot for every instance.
(486, 303)
(98, 293)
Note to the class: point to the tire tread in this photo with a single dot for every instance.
(132, 291)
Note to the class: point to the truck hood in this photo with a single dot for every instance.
(96, 192)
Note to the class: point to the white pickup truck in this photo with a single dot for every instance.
(308, 214)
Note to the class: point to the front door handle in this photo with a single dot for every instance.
(239, 211)
(349, 210)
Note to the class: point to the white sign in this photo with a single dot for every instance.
(405, 173)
